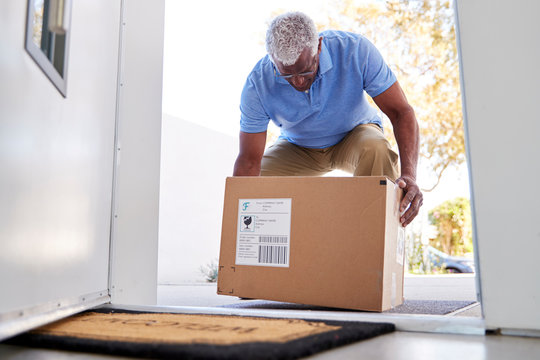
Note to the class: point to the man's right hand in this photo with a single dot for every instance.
(248, 162)
(412, 200)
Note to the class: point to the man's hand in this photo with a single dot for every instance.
(412, 200)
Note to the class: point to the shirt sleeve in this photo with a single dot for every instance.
(253, 118)
(377, 75)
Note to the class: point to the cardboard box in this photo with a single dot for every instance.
(326, 241)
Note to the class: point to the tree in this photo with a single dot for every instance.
(452, 219)
(418, 41)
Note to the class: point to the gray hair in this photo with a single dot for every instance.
(288, 35)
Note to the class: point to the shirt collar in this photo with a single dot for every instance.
(325, 64)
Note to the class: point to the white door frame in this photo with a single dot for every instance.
(499, 47)
(133, 258)
(135, 219)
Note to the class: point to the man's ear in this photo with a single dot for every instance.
(320, 45)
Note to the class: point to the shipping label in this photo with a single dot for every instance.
(264, 232)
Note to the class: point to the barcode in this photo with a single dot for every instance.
(273, 254)
(274, 239)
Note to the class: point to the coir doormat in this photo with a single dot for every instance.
(192, 336)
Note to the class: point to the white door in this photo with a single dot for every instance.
(500, 55)
(56, 161)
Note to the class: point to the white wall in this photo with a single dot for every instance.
(500, 55)
(194, 164)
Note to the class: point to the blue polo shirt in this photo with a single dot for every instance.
(320, 117)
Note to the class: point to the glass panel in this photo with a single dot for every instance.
(47, 48)
(37, 16)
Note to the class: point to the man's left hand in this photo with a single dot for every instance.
(412, 200)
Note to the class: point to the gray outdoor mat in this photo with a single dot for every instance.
(426, 307)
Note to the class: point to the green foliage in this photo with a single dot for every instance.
(416, 254)
(210, 271)
(452, 219)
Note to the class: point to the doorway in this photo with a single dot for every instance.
(192, 191)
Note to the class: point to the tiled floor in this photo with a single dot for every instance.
(395, 346)
(419, 346)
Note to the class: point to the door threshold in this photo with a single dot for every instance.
(403, 322)
(19, 321)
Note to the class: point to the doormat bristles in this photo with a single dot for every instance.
(192, 336)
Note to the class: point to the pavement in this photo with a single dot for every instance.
(459, 287)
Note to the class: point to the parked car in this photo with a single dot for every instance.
(452, 264)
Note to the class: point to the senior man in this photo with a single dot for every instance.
(312, 86)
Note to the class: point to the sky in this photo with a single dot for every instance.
(207, 59)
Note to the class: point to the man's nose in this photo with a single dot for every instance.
(298, 81)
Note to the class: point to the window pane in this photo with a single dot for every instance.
(37, 22)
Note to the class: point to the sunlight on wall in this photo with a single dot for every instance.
(207, 58)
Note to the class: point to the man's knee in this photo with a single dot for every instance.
(377, 158)
(286, 159)
(366, 139)
(375, 148)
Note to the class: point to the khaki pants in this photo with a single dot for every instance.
(363, 152)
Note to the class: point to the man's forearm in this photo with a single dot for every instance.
(407, 137)
(394, 104)
(243, 167)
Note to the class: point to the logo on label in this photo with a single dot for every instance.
(247, 220)
(245, 205)
(247, 223)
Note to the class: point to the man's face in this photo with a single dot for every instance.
(303, 71)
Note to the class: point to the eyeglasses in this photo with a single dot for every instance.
(304, 74)
(307, 73)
